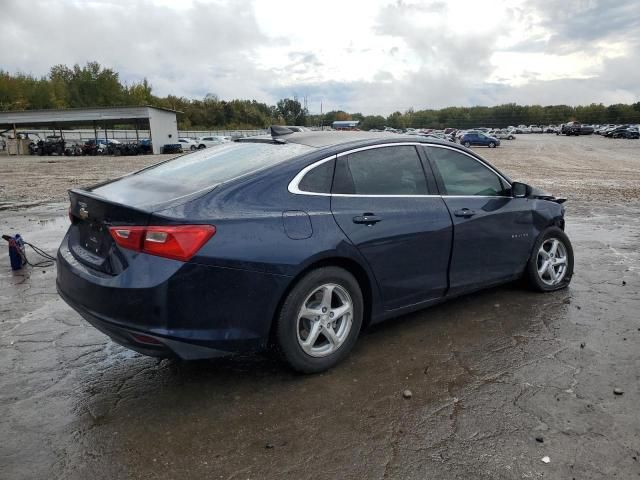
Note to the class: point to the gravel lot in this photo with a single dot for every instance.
(583, 168)
(499, 379)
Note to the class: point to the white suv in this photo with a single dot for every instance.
(205, 142)
(187, 144)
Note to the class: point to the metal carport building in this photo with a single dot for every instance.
(161, 122)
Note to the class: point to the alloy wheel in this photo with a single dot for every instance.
(324, 320)
(552, 261)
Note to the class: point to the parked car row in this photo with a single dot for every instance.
(619, 131)
(56, 145)
(490, 137)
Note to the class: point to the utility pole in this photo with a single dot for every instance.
(321, 117)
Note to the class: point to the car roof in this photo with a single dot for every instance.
(323, 139)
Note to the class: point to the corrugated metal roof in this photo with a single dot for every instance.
(77, 115)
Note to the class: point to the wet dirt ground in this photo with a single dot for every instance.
(499, 379)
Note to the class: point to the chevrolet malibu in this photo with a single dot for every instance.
(298, 241)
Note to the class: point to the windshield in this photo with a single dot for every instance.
(197, 171)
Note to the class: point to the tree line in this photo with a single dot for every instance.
(92, 85)
(497, 116)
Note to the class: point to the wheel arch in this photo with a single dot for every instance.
(348, 264)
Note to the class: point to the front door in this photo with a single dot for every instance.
(493, 232)
(381, 201)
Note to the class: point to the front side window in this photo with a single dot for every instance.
(463, 175)
(380, 171)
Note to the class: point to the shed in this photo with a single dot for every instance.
(345, 124)
(161, 122)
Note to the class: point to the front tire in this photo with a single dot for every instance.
(492, 145)
(320, 320)
(550, 266)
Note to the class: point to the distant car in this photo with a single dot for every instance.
(300, 243)
(522, 129)
(586, 129)
(624, 131)
(297, 128)
(210, 141)
(187, 144)
(479, 139)
(615, 131)
(439, 136)
(535, 128)
(53, 144)
(603, 129)
(73, 149)
(550, 129)
(93, 147)
(502, 134)
(145, 146)
(569, 128)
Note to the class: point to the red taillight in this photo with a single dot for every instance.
(180, 242)
(128, 237)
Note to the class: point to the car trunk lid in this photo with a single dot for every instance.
(89, 239)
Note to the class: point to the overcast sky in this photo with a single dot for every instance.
(368, 56)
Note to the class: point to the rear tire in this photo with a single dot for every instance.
(320, 320)
(550, 266)
(467, 144)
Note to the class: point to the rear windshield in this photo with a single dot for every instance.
(197, 171)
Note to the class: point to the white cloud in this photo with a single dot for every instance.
(359, 55)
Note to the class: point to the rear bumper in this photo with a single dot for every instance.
(132, 339)
(193, 311)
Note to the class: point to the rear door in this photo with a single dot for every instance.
(387, 207)
(493, 232)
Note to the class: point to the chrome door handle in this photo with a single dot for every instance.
(367, 219)
(464, 212)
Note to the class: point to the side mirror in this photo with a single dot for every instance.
(520, 190)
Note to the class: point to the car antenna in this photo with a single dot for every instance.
(278, 131)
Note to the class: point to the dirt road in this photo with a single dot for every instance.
(500, 379)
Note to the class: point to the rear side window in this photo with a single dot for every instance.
(463, 175)
(381, 171)
(197, 171)
(318, 180)
(222, 163)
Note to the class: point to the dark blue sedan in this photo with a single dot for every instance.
(299, 241)
(479, 139)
